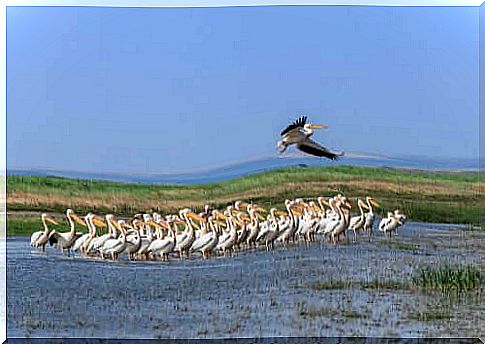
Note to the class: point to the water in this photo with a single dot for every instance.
(255, 293)
(231, 171)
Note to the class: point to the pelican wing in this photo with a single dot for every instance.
(299, 123)
(311, 147)
(35, 236)
(201, 242)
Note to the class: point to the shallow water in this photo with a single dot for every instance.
(255, 293)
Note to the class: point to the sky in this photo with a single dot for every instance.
(167, 89)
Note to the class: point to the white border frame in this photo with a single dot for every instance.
(137, 3)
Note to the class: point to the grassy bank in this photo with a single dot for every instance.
(448, 197)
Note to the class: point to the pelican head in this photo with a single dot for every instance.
(281, 145)
(309, 126)
(49, 218)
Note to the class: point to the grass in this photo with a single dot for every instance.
(400, 245)
(450, 279)
(330, 285)
(433, 314)
(372, 284)
(447, 197)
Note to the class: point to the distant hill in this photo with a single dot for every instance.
(239, 169)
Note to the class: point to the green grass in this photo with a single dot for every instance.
(23, 225)
(371, 284)
(450, 279)
(400, 245)
(330, 285)
(434, 314)
(448, 197)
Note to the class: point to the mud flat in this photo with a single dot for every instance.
(362, 288)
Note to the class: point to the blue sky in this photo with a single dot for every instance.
(158, 90)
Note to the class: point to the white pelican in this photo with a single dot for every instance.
(299, 133)
(163, 246)
(271, 230)
(402, 218)
(390, 223)
(78, 244)
(65, 240)
(40, 238)
(370, 216)
(288, 228)
(97, 243)
(207, 241)
(114, 247)
(133, 240)
(254, 226)
(227, 242)
(343, 207)
(358, 222)
(187, 238)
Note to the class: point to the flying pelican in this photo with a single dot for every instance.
(40, 238)
(298, 133)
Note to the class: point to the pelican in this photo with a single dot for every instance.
(298, 133)
(254, 225)
(133, 241)
(79, 243)
(288, 228)
(114, 247)
(97, 243)
(343, 207)
(227, 242)
(187, 238)
(358, 222)
(271, 230)
(164, 246)
(390, 223)
(40, 238)
(207, 241)
(402, 218)
(67, 239)
(370, 216)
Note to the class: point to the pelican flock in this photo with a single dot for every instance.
(242, 226)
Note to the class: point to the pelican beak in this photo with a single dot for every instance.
(52, 220)
(78, 220)
(220, 223)
(325, 203)
(260, 217)
(221, 216)
(97, 222)
(258, 208)
(194, 216)
(374, 203)
(116, 224)
(318, 126)
(239, 222)
(195, 225)
(280, 213)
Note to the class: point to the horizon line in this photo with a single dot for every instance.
(233, 163)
